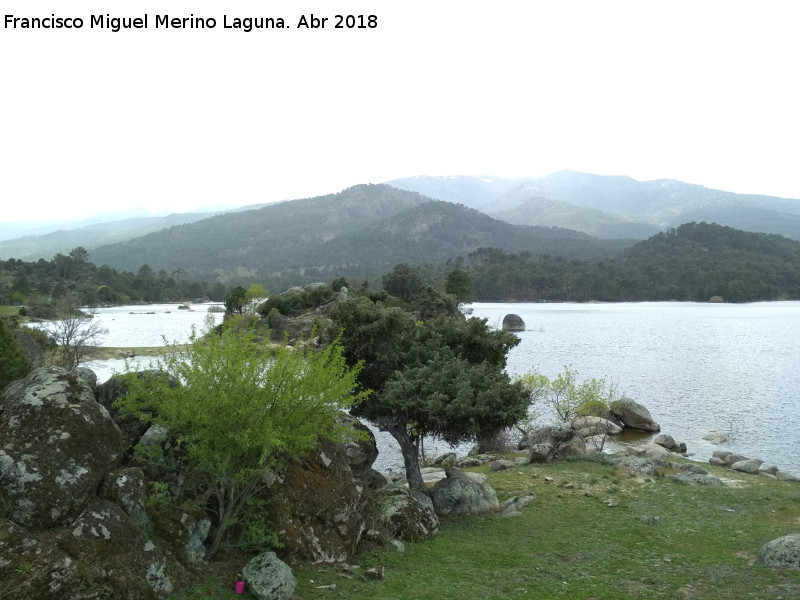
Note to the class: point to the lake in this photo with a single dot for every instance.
(696, 367)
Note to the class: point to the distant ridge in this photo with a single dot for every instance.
(654, 205)
(359, 230)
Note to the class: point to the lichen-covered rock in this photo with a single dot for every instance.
(58, 443)
(362, 452)
(459, 494)
(554, 442)
(782, 553)
(108, 393)
(316, 509)
(634, 415)
(407, 515)
(116, 554)
(589, 426)
(101, 555)
(126, 487)
(34, 566)
(638, 465)
(269, 578)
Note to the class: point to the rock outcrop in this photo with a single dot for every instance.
(316, 508)
(634, 415)
(58, 444)
(459, 494)
(77, 519)
(554, 442)
(406, 515)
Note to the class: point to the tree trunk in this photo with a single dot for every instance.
(410, 456)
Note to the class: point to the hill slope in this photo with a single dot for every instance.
(34, 247)
(337, 233)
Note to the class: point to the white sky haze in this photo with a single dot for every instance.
(95, 121)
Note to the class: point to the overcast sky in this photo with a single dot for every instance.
(95, 121)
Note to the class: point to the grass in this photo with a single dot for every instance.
(663, 539)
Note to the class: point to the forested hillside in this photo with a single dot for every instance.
(362, 231)
(696, 261)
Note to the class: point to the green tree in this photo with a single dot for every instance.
(235, 300)
(567, 395)
(14, 363)
(242, 411)
(443, 377)
(403, 282)
(254, 295)
(459, 284)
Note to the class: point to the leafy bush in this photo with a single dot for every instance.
(242, 411)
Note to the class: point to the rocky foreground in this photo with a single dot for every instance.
(84, 518)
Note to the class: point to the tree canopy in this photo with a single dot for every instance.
(14, 363)
(442, 377)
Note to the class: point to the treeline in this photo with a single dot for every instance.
(693, 262)
(73, 277)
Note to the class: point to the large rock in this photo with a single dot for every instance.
(634, 415)
(407, 515)
(512, 322)
(554, 442)
(58, 444)
(126, 487)
(101, 555)
(589, 426)
(116, 554)
(751, 465)
(361, 453)
(317, 507)
(783, 553)
(269, 578)
(460, 494)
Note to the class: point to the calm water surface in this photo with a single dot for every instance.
(696, 367)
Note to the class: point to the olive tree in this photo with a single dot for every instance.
(242, 410)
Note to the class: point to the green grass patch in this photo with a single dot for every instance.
(660, 539)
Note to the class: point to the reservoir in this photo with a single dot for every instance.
(697, 367)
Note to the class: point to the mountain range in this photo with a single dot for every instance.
(617, 206)
(361, 230)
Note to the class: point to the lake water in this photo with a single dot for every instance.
(144, 326)
(696, 367)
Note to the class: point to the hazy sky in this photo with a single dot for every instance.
(94, 121)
